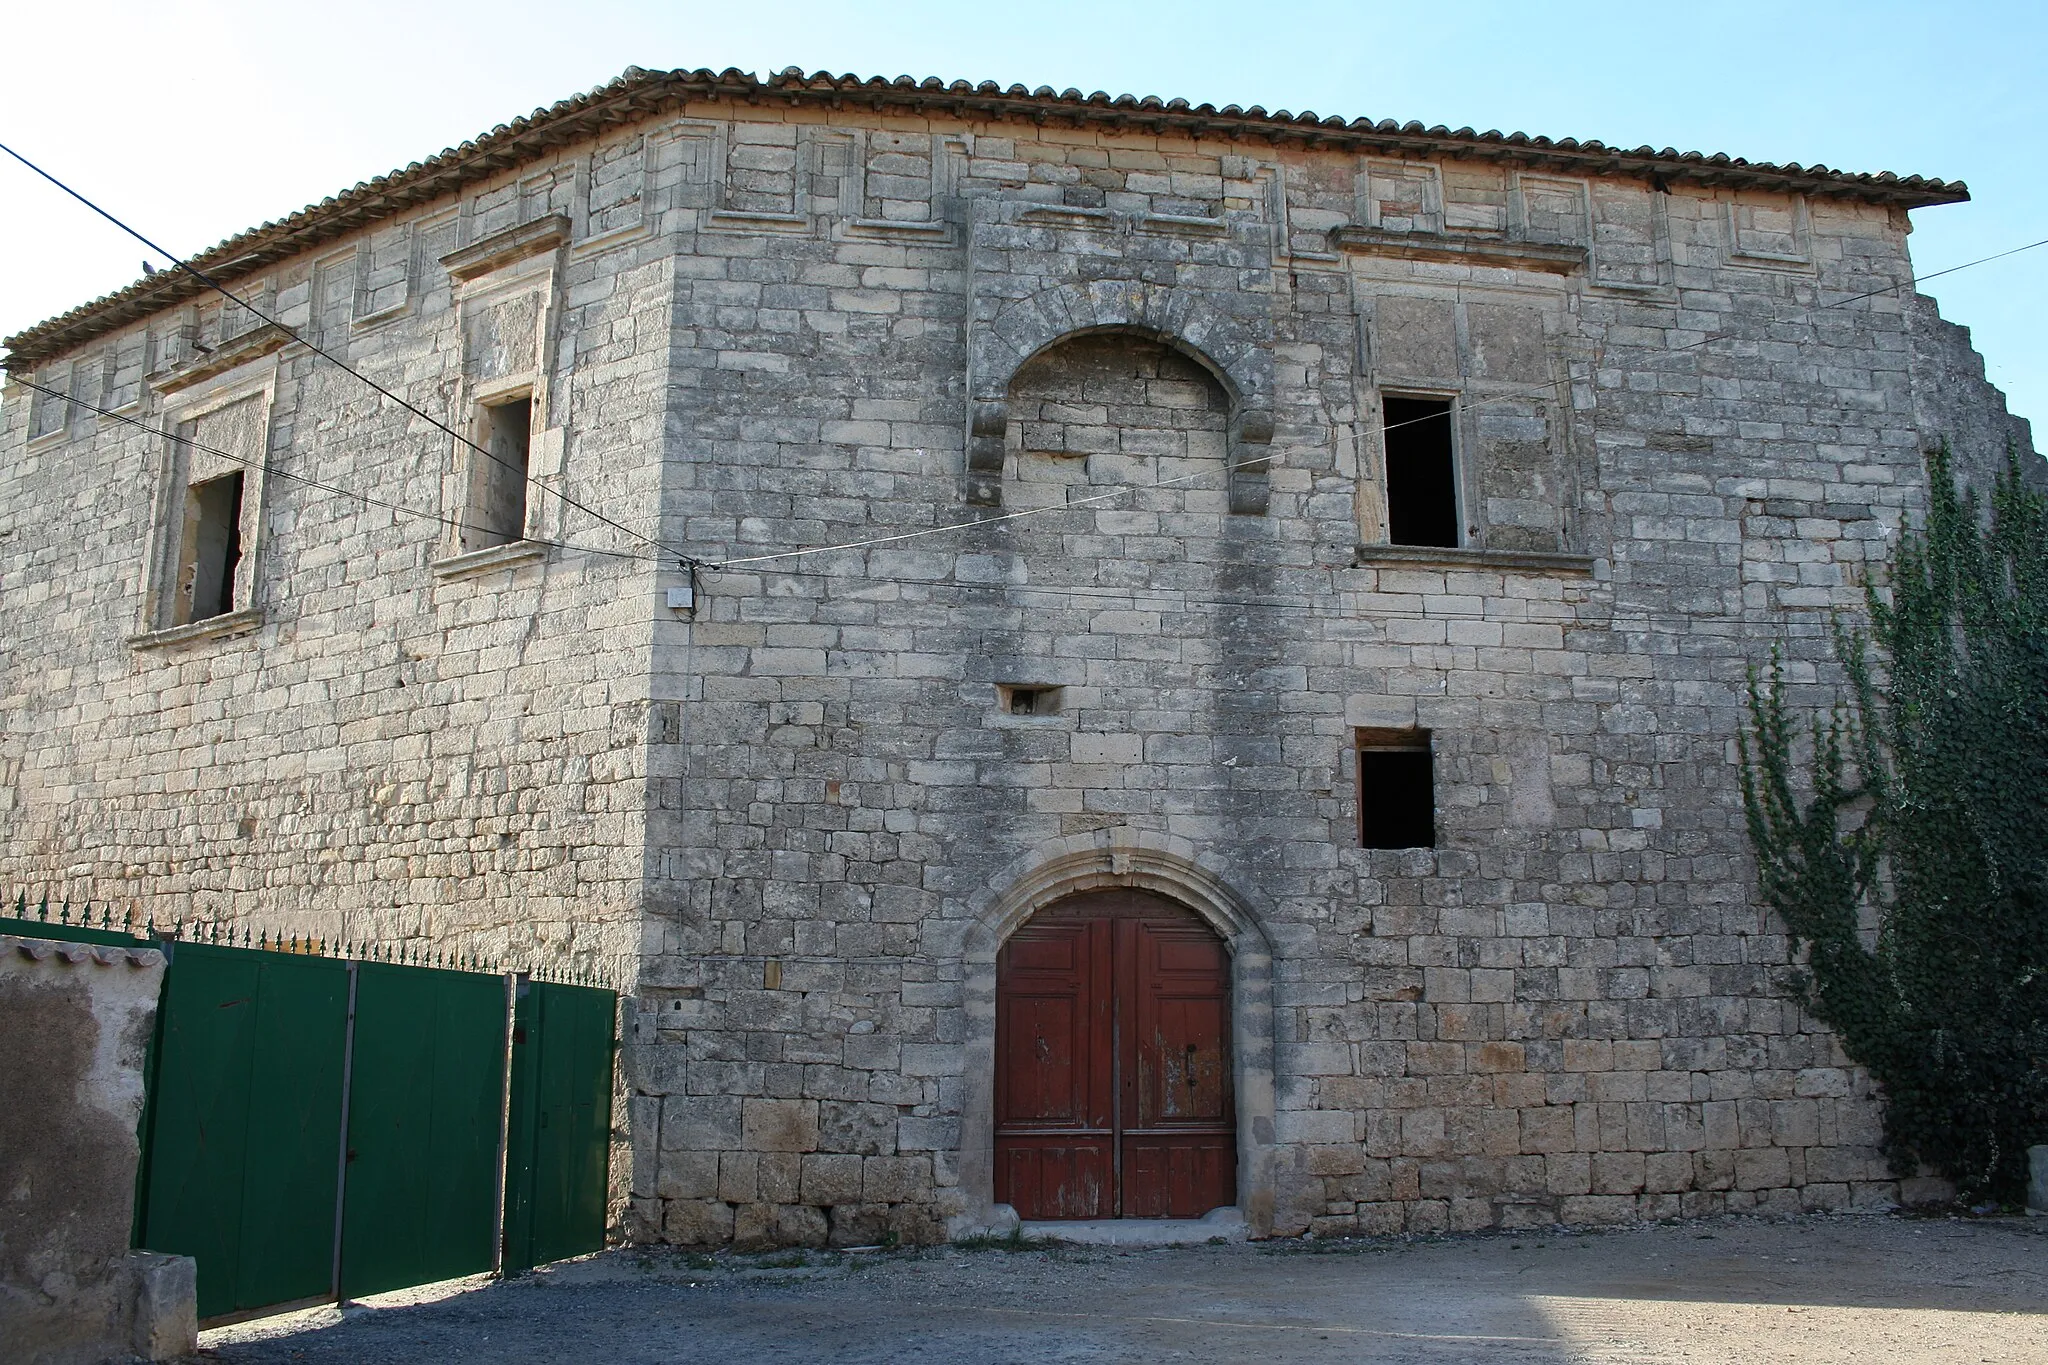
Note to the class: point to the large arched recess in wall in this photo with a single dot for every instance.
(1179, 318)
(1167, 867)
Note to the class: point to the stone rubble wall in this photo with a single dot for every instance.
(78, 1019)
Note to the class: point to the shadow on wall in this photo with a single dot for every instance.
(77, 1020)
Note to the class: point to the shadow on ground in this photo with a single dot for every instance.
(1805, 1290)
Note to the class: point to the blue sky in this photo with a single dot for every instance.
(196, 120)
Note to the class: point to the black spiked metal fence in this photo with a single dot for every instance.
(62, 920)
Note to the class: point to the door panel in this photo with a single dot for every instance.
(1113, 1074)
(558, 1129)
(424, 1121)
(1178, 1176)
(243, 1149)
(1057, 1176)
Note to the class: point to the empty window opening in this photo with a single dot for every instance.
(211, 551)
(1021, 700)
(1396, 789)
(497, 482)
(1422, 484)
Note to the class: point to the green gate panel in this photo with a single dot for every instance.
(425, 1118)
(558, 1155)
(244, 1115)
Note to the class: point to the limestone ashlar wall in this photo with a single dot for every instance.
(389, 740)
(1573, 1008)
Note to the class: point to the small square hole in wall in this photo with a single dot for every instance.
(1396, 789)
(1029, 699)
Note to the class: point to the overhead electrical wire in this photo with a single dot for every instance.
(1612, 620)
(694, 562)
(268, 468)
(343, 365)
(1444, 415)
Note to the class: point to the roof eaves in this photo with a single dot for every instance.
(638, 92)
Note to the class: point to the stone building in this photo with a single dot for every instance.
(1212, 670)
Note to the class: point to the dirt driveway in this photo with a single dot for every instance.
(1869, 1288)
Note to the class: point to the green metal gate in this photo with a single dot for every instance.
(560, 1131)
(425, 1108)
(319, 1128)
(241, 1141)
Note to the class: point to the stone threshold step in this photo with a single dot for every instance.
(1225, 1224)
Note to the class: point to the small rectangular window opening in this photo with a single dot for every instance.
(1422, 485)
(211, 551)
(1030, 701)
(1396, 789)
(497, 501)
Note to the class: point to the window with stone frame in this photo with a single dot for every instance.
(212, 514)
(1420, 447)
(495, 511)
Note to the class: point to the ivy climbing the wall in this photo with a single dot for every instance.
(1906, 846)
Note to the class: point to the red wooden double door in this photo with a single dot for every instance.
(1113, 1076)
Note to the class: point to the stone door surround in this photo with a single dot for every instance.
(1141, 860)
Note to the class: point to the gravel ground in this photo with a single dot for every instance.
(1823, 1289)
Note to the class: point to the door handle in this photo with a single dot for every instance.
(1191, 1066)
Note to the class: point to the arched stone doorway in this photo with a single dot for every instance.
(1125, 859)
(1114, 1091)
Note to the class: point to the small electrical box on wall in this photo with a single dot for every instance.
(684, 598)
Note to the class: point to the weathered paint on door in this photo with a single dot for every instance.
(1113, 1075)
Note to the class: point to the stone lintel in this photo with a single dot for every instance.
(224, 357)
(503, 248)
(1463, 557)
(1554, 259)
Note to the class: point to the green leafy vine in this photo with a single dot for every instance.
(1907, 848)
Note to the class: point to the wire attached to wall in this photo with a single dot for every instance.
(1538, 391)
(691, 564)
(340, 364)
(266, 467)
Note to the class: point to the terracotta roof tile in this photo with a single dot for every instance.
(639, 92)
